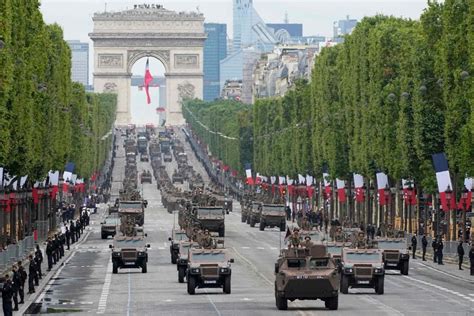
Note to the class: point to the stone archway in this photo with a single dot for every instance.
(176, 39)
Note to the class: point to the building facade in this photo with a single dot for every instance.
(215, 50)
(343, 27)
(80, 62)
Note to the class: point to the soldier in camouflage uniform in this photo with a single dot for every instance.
(206, 240)
(360, 241)
(307, 242)
(339, 236)
(390, 232)
(295, 239)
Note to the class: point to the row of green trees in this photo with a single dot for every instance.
(394, 93)
(225, 126)
(45, 118)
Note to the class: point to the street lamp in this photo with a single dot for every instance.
(449, 195)
(465, 196)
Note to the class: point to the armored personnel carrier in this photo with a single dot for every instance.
(306, 274)
(211, 218)
(396, 254)
(253, 216)
(129, 252)
(177, 177)
(146, 177)
(133, 209)
(177, 235)
(273, 215)
(209, 268)
(362, 268)
(109, 226)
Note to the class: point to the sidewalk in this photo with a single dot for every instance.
(450, 265)
(47, 276)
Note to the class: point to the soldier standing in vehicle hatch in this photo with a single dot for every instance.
(307, 242)
(360, 242)
(295, 239)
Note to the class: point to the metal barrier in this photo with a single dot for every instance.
(16, 252)
(450, 247)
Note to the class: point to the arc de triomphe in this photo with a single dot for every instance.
(176, 39)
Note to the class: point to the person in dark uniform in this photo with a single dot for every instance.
(56, 248)
(439, 251)
(288, 213)
(61, 245)
(49, 254)
(414, 242)
(39, 260)
(78, 230)
(471, 259)
(72, 229)
(434, 245)
(424, 244)
(460, 254)
(24, 277)
(7, 294)
(16, 281)
(68, 238)
(31, 275)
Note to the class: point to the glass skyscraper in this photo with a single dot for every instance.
(80, 62)
(215, 50)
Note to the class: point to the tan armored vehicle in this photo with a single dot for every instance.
(146, 177)
(362, 268)
(254, 214)
(335, 249)
(134, 210)
(129, 252)
(177, 235)
(273, 215)
(396, 254)
(209, 268)
(210, 218)
(306, 274)
(109, 226)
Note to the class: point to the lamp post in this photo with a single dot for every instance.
(465, 196)
(386, 196)
(409, 199)
(449, 197)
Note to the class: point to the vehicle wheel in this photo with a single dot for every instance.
(181, 275)
(173, 259)
(281, 302)
(144, 267)
(114, 268)
(222, 232)
(332, 303)
(282, 226)
(243, 219)
(379, 288)
(344, 284)
(248, 220)
(191, 285)
(252, 223)
(104, 236)
(262, 226)
(404, 269)
(226, 288)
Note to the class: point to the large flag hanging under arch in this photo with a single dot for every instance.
(147, 81)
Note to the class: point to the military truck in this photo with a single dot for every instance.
(146, 177)
(182, 261)
(273, 215)
(396, 254)
(136, 209)
(177, 235)
(335, 250)
(209, 268)
(362, 268)
(109, 226)
(211, 218)
(253, 216)
(176, 177)
(306, 274)
(144, 157)
(167, 157)
(142, 144)
(129, 252)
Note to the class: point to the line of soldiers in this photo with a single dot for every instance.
(14, 287)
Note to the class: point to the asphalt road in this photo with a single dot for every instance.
(85, 284)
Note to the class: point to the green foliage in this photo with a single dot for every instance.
(45, 119)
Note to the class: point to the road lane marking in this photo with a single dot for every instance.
(441, 288)
(253, 267)
(212, 303)
(105, 289)
(129, 292)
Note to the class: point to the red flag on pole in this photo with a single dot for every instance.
(148, 80)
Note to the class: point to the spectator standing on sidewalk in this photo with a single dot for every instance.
(460, 254)
(434, 245)
(424, 244)
(471, 258)
(414, 241)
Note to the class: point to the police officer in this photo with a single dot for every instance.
(414, 242)
(72, 229)
(49, 254)
(460, 254)
(31, 275)
(23, 277)
(424, 244)
(62, 241)
(16, 281)
(7, 294)
(434, 245)
(471, 258)
(39, 260)
(439, 251)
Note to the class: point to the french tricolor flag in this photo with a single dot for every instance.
(359, 187)
(327, 185)
(382, 183)
(248, 173)
(440, 164)
(341, 190)
(147, 81)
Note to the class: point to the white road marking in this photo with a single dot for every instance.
(213, 305)
(441, 289)
(253, 267)
(105, 289)
(260, 248)
(245, 247)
